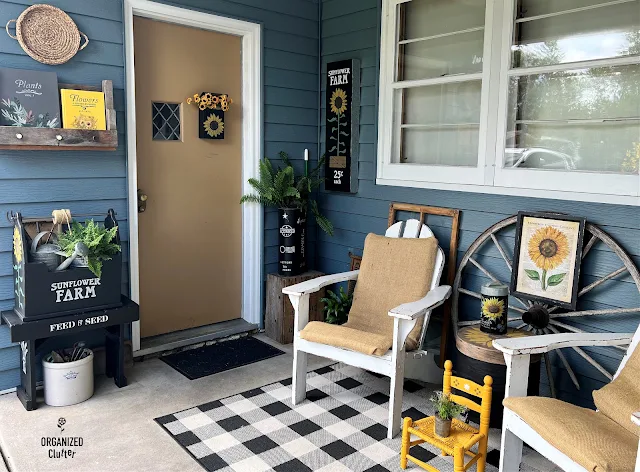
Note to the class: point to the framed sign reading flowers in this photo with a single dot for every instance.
(546, 263)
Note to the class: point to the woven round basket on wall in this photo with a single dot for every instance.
(47, 34)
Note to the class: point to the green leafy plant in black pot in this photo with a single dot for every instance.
(337, 306)
(98, 240)
(293, 196)
(279, 187)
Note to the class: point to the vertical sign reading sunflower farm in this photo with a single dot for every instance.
(342, 125)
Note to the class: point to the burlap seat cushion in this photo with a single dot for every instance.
(589, 438)
(619, 399)
(393, 271)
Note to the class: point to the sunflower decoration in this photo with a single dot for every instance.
(338, 101)
(210, 101)
(475, 336)
(548, 248)
(492, 308)
(213, 125)
(17, 245)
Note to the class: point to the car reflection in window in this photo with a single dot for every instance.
(538, 158)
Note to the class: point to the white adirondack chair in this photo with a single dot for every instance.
(517, 353)
(393, 363)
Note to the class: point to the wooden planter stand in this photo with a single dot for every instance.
(279, 313)
(52, 139)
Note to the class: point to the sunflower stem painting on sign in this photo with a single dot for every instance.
(547, 258)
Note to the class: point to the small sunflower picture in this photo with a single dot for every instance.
(212, 126)
(492, 308)
(17, 245)
(548, 257)
(338, 102)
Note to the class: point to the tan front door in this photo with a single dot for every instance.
(190, 234)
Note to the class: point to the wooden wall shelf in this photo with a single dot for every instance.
(57, 139)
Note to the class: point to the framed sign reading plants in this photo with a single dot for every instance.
(546, 264)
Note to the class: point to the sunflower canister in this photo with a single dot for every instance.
(494, 307)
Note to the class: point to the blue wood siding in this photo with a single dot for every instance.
(91, 182)
(351, 30)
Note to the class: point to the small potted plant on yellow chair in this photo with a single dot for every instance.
(446, 410)
(453, 437)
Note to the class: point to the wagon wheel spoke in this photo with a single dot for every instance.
(501, 251)
(587, 357)
(479, 297)
(494, 278)
(593, 285)
(574, 379)
(589, 245)
(598, 282)
(608, 311)
(573, 329)
(565, 362)
(552, 383)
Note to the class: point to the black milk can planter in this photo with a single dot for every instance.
(292, 224)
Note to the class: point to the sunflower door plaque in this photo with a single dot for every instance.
(342, 125)
(211, 117)
(546, 264)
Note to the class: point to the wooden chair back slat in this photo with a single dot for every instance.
(467, 386)
(464, 401)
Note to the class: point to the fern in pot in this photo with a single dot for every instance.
(279, 187)
(99, 242)
(446, 410)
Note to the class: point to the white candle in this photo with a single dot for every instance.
(306, 154)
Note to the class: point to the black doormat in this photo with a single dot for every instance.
(208, 360)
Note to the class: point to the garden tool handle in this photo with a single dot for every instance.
(39, 236)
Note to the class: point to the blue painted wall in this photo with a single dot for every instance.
(351, 30)
(92, 182)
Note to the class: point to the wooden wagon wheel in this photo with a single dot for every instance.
(553, 319)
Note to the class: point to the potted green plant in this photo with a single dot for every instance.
(293, 195)
(99, 242)
(337, 306)
(446, 410)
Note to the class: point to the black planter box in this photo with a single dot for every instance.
(40, 293)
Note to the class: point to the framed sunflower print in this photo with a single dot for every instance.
(546, 263)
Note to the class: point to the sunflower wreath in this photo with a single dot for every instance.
(210, 101)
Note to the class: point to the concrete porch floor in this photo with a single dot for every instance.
(117, 425)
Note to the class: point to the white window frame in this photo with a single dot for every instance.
(489, 176)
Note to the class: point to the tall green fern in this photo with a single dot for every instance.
(99, 240)
(280, 188)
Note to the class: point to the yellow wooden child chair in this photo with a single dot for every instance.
(463, 436)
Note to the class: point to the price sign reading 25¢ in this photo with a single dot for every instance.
(342, 126)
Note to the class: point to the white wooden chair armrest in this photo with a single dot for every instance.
(635, 418)
(313, 285)
(412, 310)
(540, 344)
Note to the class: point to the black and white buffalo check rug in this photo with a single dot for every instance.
(340, 427)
